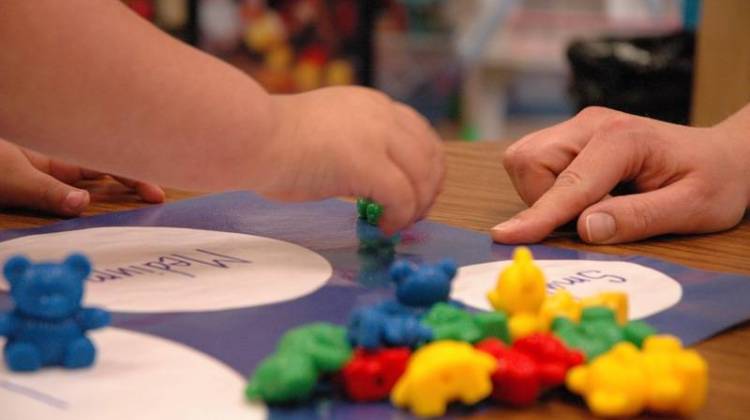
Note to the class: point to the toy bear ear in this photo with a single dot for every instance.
(448, 266)
(15, 268)
(79, 264)
(400, 270)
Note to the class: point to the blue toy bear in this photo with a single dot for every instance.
(47, 325)
(387, 324)
(396, 323)
(423, 285)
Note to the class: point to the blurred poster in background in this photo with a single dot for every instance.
(287, 45)
(402, 47)
(173, 16)
(477, 69)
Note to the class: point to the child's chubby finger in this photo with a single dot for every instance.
(61, 171)
(438, 175)
(393, 190)
(437, 169)
(29, 187)
(417, 170)
(420, 127)
(150, 193)
(37, 190)
(417, 150)
(70, 174)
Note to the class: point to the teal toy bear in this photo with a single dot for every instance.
(47, 325)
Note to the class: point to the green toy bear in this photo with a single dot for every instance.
(598, 331)
(369, 210)
(303, 354)
(449, 322)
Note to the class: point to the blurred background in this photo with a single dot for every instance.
(478, 69)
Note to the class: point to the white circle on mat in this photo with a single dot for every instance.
(649, 291)
(136, 376)
(162, 269)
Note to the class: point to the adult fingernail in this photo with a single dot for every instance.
(74, 200)
(507, 225)
(600, 227)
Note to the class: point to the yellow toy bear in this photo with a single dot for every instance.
(664, 378)
(441, 372)
(562, 303)
(617, 301)
(519, 292)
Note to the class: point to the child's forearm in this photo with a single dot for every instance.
(92, 83)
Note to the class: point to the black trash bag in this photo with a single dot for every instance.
(647, 76)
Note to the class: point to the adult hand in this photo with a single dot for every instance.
(684, 179)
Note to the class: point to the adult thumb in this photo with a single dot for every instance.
(632, 217)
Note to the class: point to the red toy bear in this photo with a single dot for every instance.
(553, 358)
(532, 364)
(370, 375)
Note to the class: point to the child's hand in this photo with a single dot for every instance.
(687, 180)
(33, 181)
(349, 141)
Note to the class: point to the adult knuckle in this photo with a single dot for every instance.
(642, 216)
(570, 184)
(621, 126)
(702, 203)
(701, 191)
(593, 112)
(568, 179)
(519, 154)
(614, 127)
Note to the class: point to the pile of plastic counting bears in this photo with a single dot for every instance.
(419, 348)
(426, 351)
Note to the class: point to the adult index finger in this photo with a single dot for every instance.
(615, 153)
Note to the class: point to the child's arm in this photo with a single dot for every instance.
(95, 85)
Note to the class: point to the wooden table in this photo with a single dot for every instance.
(478, 194)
